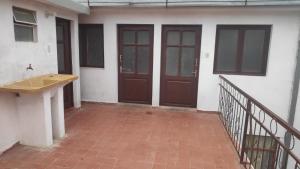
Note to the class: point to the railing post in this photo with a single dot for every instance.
(248, 111)
(285, 156)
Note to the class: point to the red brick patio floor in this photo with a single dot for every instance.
(112, 136)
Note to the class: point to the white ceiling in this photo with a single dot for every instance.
(138, 3)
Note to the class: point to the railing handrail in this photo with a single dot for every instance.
(278, 119)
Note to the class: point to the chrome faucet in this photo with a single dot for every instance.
(29, 67)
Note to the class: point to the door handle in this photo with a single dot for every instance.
(196, 68)
(195, 73)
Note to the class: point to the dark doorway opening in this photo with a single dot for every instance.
(64, 57)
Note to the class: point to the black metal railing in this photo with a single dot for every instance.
(256, 132)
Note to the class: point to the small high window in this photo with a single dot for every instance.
(91, 45)
(24, 25)
(242, 49)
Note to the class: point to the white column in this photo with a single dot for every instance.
(75, 61)
(156, 65)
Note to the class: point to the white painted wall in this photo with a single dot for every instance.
(273, 90)
(297, 124)
(15, 57)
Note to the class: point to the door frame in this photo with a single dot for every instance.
(68, 52)
(119, 26)
(163, 66)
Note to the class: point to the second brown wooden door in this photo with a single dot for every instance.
(135, 43)
(64, 57)
(179, 65)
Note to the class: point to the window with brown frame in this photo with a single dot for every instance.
(242, 49)
(91, 45)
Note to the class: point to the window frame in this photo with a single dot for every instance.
(25, 10)
(240, 47)
(25, 24)
(83, 45)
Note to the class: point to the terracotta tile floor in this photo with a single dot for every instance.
(104, 136)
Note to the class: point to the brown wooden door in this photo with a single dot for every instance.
(135, 55)
(180, 65)
(64, 57)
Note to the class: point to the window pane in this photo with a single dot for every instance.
(253, 51)
(143, 37)
(172, 61)
(61, 56)
(23, 33)
(143, 60)
(94, 47)
(187, 61)
(188, 38)
(128, 59)
(129, 37)
(227, 50)
(173, 38)
(24, 15)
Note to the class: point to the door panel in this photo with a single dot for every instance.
(180, 65)
(179, 92)
(135, 55)
(135, 89)
(64, 57)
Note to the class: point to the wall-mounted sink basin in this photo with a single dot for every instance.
(38, 83)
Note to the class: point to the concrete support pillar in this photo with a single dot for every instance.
(41, 117)
(35, 123)
(58, 120)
